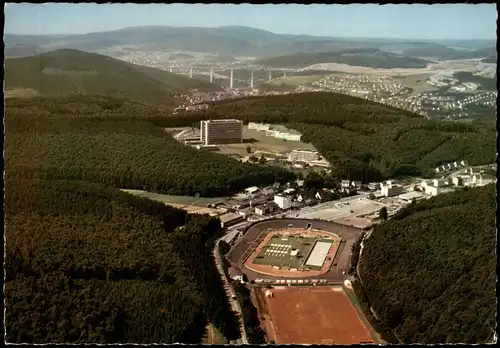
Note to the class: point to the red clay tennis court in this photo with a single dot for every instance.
(315, 315)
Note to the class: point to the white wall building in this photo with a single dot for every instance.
(284, 202)
(261, 127)
(432, 190)
(302, 155)
(391, 190)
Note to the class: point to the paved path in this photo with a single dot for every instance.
(235, 306)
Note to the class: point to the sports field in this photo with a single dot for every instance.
(279, 252)
(313, 315)
(293, 253)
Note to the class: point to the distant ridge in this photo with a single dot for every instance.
(233, 41)
(73, 72)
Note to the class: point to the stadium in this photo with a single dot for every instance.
(295, 251)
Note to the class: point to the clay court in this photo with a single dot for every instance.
(312, 315)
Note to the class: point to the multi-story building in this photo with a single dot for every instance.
(432, 190)
(226, 131)
(284, 202)
(391, 190)
(301, 155)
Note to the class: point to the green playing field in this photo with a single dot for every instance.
(278, 252)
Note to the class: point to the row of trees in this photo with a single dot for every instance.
(429, 272)
(90, 264)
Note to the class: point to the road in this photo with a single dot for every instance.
(235, 306)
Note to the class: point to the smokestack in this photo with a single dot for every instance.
(171, 68)
(251, 80)
(269, 75)
(231, 82)
(284, 74)
(191, 73)
(211, 75)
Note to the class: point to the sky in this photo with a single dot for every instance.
(417, 21)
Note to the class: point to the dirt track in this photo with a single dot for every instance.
(341, 262)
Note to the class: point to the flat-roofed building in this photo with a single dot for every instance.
(318, 254)
(284, 202)
(230, 219)
(302, 155)
(391, 190)
(432, 190)
(262, 127)
(228, 131)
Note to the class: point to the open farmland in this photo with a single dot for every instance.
(313, 315)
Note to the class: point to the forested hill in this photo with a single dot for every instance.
(89, 264)
(430, 272)
(73, 72)
(113, 142)
(363, 139)
(366, 57)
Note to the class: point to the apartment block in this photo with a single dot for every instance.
(226, 131)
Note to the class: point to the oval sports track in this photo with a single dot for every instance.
(255, 234)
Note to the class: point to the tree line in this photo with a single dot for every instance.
(429, 272)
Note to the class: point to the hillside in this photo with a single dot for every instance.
(372, 58)
(360, 138)
(238, 41)
(225, 40)
(447, 53)
(89, 264)
(492, 59)
(113, 142)
(76, 138)
(72, 72)
(429, 273)
(486, 83)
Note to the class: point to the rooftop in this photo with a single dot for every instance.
(229, 217)
(224, 121)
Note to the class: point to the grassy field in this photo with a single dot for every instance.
(283, 259)
(20, 93)
(417, 82)
(177, 200)
(258, 141)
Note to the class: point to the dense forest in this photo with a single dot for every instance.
(366, 57)
(76, 138)
(90, 264)
(362, 139)
(112, 143)
(87, 263)
(429, 273)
